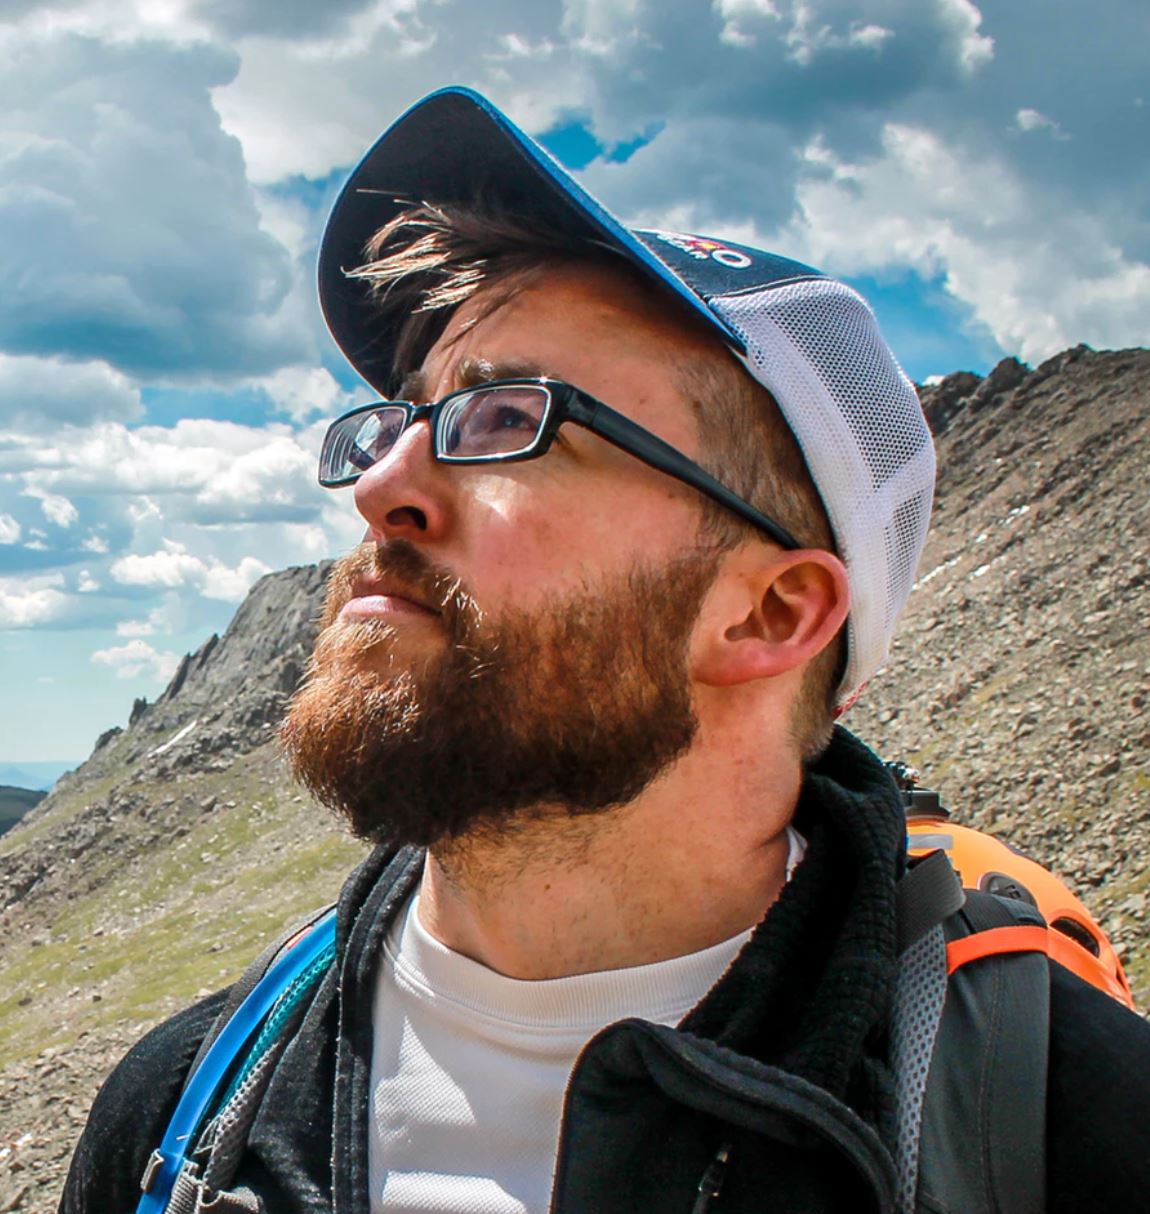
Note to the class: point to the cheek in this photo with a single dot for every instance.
(518, 543)
(529, 541)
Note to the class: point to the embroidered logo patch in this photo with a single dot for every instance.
(702, 249)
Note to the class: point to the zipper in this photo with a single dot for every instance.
(712, 1179)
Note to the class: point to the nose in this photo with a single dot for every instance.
(405, 495)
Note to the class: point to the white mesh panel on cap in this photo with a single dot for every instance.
(816, 347)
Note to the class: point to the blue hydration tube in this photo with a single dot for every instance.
(197, 1097)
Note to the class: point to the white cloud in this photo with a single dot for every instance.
(1040, 280)
(809, 35)
(113, 20)
(57, 509)
(142, 510)
(603, 28)
(135, 628)
(965, 20)
(275, 481)
(308, 106)
(171, 617)
(211, 471)
(1028, 120)
(94, 543)
(137, 659)
(32, 602)
(37, 392)
(174, 567)
(232, 585)
(125, 214)
(159, 569)
(169, 519)
(737, 14)
(514, 46)
(304, 393)
(290, 223)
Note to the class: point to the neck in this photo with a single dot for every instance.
(698, 857)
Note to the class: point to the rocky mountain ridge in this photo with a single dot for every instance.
(1020, 676)
(1018, 685)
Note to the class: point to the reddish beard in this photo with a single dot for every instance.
(571, 707)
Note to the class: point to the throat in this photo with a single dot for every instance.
(565, 895)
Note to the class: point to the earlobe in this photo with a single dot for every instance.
(773, 619)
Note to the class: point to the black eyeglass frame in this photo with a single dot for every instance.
(566, 403)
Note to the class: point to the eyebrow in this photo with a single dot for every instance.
(412, 386)
(472, 372)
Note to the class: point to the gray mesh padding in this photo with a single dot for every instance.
(919, 997)
(205, 1189)
(227, 1135)
(816, 347)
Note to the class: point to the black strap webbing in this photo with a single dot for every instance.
(927, 895)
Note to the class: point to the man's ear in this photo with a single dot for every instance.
(763, 618)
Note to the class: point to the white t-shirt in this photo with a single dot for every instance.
(469, 1067)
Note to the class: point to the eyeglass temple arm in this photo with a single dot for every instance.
(624, 433)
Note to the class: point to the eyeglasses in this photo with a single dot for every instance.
(509, 420)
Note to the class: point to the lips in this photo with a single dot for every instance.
(372, 598)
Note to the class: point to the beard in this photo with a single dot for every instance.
(571, 708)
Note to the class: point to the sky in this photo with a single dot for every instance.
(979, 172)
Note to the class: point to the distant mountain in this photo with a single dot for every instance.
(39, 776)
(15, 803)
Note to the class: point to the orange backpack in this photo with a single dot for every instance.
(982, 862)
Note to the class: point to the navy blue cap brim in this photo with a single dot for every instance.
(454, 146)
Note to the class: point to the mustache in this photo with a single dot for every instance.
(402, 563)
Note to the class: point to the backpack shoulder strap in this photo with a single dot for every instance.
(970, 1036)
(928, 894)
(247, 981)
(247, 1033)
(983, 1145)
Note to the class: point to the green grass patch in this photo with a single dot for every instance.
(165, 919)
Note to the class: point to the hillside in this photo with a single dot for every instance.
(15, 803)
(1019, 687)
(1020, 678)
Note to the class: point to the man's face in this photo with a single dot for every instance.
(513, 639)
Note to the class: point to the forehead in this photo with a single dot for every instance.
(578, 322)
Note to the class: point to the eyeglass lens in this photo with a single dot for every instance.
(492, 421)
(487, 421)
(355, 443)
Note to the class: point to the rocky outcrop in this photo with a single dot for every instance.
(239, 683)
(223, 702)
(227, 697)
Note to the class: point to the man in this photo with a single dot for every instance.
(641, 510)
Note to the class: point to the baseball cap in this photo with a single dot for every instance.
(811, 341)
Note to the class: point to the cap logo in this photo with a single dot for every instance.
(702, 249)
